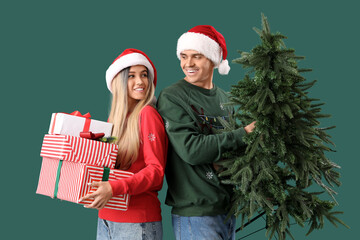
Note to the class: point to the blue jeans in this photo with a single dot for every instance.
(204, 228)
(108, 230)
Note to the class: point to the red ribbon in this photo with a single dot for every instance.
(90, 135)
(87, 120)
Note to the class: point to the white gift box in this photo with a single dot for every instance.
(67, 124)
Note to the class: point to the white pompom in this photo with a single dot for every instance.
(224, 67)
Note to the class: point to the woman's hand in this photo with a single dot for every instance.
(101, 196)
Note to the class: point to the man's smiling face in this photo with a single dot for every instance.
(197, 68)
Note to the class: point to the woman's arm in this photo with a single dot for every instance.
(154, 149)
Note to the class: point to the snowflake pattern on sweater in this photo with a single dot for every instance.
(209, 175)
(151, 137)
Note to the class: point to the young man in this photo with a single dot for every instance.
(190, 109)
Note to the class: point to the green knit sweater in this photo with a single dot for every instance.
(190, 115)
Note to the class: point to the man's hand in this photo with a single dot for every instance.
(101, 196)
(249, 128)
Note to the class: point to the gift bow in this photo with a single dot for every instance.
(78, 114)
(92, 136)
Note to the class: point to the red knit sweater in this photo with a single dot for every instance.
(148, 176)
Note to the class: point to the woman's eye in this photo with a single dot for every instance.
(130, 76)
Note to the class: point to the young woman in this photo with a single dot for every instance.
(142, 141)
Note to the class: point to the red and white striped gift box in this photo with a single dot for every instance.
(80, 150)
(70, 182)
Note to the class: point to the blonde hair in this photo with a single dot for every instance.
(126, 124)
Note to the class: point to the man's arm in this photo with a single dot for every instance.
(185, 135)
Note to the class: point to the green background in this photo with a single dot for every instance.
(54, 55)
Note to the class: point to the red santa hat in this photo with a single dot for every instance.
(129, 57)
(207, 41)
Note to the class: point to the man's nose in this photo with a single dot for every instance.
(189, 62)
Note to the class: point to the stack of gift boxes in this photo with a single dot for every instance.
(70, 162)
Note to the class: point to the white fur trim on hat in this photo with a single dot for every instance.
(123, 62)
(201, 43)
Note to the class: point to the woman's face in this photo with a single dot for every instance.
(137, 85)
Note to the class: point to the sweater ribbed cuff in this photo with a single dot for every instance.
(118, 187)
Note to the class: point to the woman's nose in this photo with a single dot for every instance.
(139, 80)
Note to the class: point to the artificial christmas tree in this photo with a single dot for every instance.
(285, 154)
